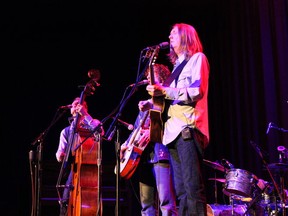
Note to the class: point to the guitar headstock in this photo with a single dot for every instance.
(154, 55)
(153, 58)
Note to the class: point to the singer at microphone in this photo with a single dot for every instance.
(143, 82)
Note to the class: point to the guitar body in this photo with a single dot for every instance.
(156, 125)
(138, 142)
(132, 155)
(130, 161)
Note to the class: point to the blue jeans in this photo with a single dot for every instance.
(187, 165)
(158, 177)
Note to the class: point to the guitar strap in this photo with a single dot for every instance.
(168, 81)
(175, 74)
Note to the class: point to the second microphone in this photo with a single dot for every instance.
(127, 125)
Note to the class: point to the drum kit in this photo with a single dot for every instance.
(248, 194)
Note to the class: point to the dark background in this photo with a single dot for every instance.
(48, 47)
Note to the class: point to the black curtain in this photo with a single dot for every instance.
(248, 84)
(46, 47)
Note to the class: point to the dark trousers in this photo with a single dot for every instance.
(65, 196)
(187, 164)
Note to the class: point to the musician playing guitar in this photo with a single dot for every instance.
(154, 166)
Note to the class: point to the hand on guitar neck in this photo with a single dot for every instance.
(156, 90)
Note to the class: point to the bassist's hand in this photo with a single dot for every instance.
(155, 90)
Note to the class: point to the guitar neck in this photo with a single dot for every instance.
(158, 103)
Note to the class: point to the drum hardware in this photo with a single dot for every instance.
(214, 165)
(227, 165)
(218, 179)
(217, 210)
(279, 167)
(258, 198)
(233, 205)
(215, 186)
(239, 198)
(267, 194)
(283, 154)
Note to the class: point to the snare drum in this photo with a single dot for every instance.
(240, 183)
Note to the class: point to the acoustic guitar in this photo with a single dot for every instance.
(136, 145)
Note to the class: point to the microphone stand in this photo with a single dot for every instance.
(274, 126)
(35, 158)
(71, 140)
(113, 128)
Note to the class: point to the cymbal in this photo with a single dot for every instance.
(278, 166)
(214, 165)
(218, 179)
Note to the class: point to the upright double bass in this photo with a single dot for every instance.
(85, 149)
(83, 199)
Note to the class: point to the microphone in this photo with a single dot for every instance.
(143, 82)
(227, 164)
(269, 126)
(69, 106)
(163, 45)
(129, 126)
